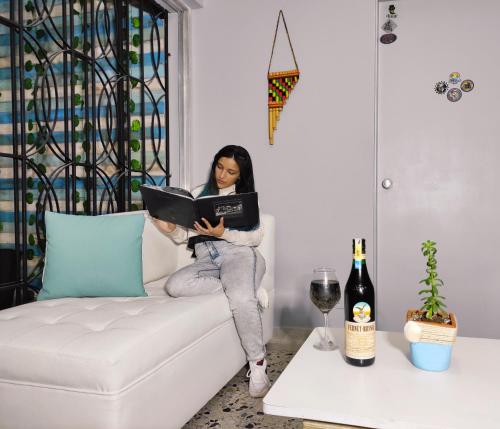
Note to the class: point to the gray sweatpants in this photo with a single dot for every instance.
(238, 270)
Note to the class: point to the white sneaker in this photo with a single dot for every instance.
(259, 382)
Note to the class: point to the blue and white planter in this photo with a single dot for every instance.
(430, 343)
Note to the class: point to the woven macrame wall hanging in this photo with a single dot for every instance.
(280, 83)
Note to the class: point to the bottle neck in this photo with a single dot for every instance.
(359, 263)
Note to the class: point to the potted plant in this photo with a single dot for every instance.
(431, 330)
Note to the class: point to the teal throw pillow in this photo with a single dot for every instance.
(92, 256)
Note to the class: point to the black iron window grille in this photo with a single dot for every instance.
(83, 119)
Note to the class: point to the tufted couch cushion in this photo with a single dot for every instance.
(101, 345)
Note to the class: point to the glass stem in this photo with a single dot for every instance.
(326, 326)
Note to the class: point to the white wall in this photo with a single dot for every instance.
(318, 178)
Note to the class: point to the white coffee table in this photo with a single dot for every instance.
(320, 387)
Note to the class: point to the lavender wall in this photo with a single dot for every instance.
(318, 178)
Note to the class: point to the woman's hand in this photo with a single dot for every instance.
(164, 226)
(216, 231)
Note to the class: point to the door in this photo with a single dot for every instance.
(442, 158)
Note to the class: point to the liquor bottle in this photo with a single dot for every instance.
(359, 308)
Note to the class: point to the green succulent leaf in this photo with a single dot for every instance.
(31, 220)
(30, 139)
(131, 105)
(29, 198)
(30, 182)
(30, 105)
(28, 66)
(134, 82)
(27, 49)
(30, 125)
(134, 207)
(136, 22)
(136, 40)
(31, 240)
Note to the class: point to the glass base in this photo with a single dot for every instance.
(325, 346)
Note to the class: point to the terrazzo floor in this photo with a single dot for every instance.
(234, 408)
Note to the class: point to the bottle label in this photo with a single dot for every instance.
(360, 340)
(362, 312)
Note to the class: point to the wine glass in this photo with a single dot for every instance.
(325, 294)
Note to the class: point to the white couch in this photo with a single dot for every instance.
(149, 362)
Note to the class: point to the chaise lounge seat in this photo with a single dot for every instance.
(147, 362)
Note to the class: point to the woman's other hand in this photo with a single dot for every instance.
(164, 226)
(216, 231)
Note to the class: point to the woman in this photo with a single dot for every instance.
(227, 259)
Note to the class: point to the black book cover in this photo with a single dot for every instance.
(178, 206)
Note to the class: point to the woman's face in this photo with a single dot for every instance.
(227, 172)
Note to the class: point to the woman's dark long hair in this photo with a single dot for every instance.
(245, 182)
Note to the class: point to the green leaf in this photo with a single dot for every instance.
(135, 165)
(29, 198)
(30, 105)
(134, 82)
(134, 58)
(28, 83)
(86, 47)
(39, 69)
(78, 99)
(41, 187)
(131, 106)
(135, 184)
(76, 42)
(135, 145)
(76, 121)
(78, 158)
(31, 220)
(30, 125)
(30, 254)
(425, 291)
(42, 168)
(86, 146)
(88, 126)
(27, 49)
(136, 125)
(29, 7)
(31, 240)
(134, 207)
(28, 66)
(136, 40)
(30, 182)
(30, 139)
(136, 22)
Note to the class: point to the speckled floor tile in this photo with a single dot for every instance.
(234, 408)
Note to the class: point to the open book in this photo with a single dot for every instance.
(178, 206)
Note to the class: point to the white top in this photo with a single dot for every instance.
(240, 238)
(392, 393)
